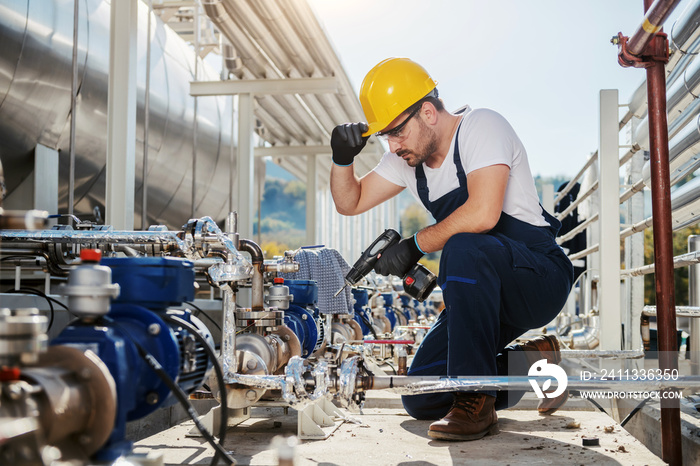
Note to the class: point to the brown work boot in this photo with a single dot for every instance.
(471, 417)
(545, 347)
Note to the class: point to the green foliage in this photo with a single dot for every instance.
(432, 264)
(273, 248)
(413, 218)
(680, 281)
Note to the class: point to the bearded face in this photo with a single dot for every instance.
(427, 145)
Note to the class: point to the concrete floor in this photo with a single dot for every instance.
(386, 435)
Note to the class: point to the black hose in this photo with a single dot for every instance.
(217, 368)
(201, 312)
(634, 411)
(578, 393)
(368, 324)
(182, 398)
(48, 299)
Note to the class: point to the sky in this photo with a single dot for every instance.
(540, 63)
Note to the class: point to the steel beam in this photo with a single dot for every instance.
(292, 151)
(265, 86)
(311, 190)
(609, 224)
(121, 116)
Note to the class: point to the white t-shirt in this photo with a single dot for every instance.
(485, 139)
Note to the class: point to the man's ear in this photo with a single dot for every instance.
(429, 112)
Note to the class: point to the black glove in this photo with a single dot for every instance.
(398, 259)
(347, 142)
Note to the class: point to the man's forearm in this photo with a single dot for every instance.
(345, 189)
(468, 218)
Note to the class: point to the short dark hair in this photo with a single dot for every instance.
(431, 97)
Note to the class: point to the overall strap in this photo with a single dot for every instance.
(422, 182)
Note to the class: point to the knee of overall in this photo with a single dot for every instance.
(428, 407)
(462, 246)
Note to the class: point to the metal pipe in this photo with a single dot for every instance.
(414, 385)
(655, 16)
(661, 208)
(602, 354)
(585, 252)
(579, 200)
(694, 300)
(573, 181)
(256, 255)
(167, 239)
(637, 187)
(630, 153)
(681, 311)
(679, 261)
(578, 229)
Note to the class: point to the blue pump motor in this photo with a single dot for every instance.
(407, 307)
(363, 314)
(303, 317)
(389, 309)
(139, 318)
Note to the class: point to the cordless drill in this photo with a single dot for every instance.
(417, 283)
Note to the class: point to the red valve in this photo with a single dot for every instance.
(8, 374)
(90, 255)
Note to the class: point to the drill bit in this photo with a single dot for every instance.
(338, 292)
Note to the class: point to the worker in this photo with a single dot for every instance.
(501, 271)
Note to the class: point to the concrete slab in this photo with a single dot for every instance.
(388, 436)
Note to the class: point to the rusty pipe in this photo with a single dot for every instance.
(663, 231)
(654, 19)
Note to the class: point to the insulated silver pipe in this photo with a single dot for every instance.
(694, 300)
(602, 354)
(417, 385)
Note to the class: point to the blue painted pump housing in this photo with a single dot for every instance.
(406, 307)
(389, 309)
(363, 313)
(303, 316)
(140, 317)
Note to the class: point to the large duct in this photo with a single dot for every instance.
(35, 96)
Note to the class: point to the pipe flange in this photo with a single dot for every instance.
(291, 341)
(22, 336)
(97, 389)
(240, 396)
(271, 318)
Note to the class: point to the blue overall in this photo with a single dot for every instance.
(496, 286)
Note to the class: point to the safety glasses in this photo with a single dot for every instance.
(395, 133)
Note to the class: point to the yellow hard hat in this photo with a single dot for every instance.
(390, 88)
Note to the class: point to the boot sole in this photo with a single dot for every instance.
(491, 430)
